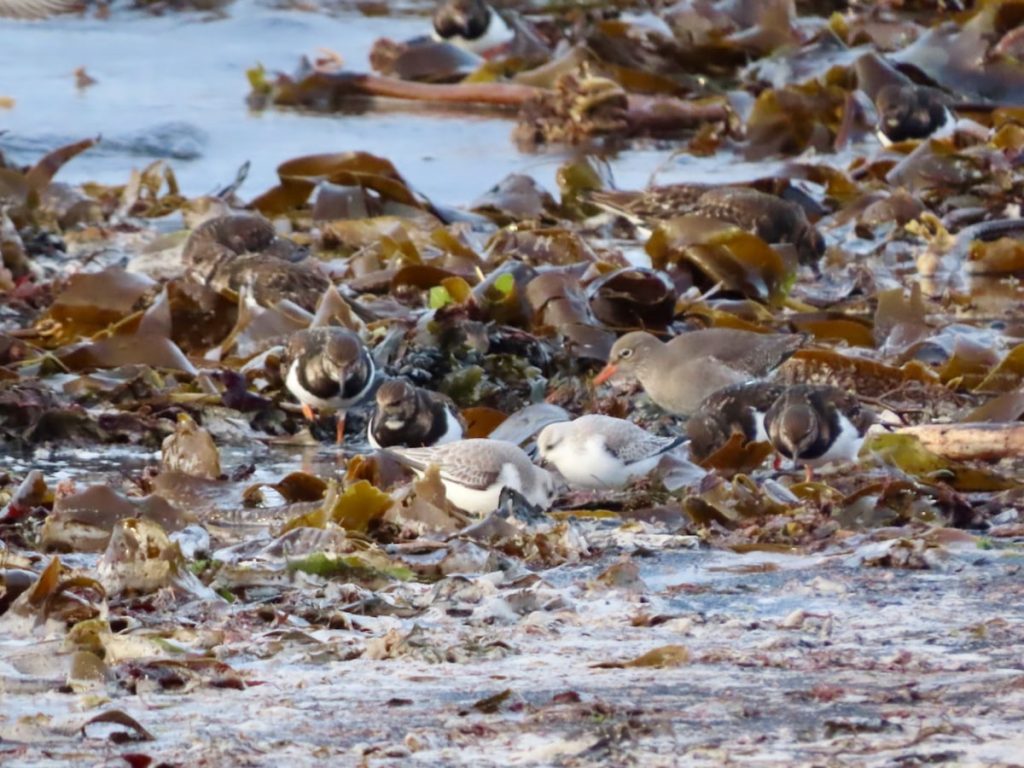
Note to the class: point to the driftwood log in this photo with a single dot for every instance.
(643, 113)
(493, 94)
(978, 441)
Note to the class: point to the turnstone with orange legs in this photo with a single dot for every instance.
(328, 369)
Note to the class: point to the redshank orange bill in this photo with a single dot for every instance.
(606, 373)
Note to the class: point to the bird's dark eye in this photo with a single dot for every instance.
(626, 353)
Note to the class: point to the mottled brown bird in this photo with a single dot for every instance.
(739, 409)
(771, 218)
(244, 253)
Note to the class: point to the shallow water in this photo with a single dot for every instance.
(103, 461)
(175, 87)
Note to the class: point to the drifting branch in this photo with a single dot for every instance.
(643, 113)
(977, 441)
(494, 94)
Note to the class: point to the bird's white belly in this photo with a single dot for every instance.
(472, 500)
(845, 448)
(452, 429)
(482, 501)
(760, 434)
(591, 466)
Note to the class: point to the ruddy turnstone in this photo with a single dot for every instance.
(736, 409)
(906, 110)
(327, 369)
(265, 280)
(470, 24)
(244, 253)
(814, 424)
(412, 417)
(771, 218)
(678, 375)
(596, 451)
(475, 471)
(911, 111)
(225, 238)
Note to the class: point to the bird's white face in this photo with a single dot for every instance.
(550, 439)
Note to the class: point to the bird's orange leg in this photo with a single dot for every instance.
(308, 412)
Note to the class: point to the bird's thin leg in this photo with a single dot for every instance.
(339, 428)
(307, 411)
(795, 465)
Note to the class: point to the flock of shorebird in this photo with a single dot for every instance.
(713, 376)
(717, 378)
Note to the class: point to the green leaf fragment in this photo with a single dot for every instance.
(356, 567)
(257, 77)
(166, 645)
(439, 297)
(505, 283)
(908, 454)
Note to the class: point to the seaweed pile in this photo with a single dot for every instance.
(871, 221)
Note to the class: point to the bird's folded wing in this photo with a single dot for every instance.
(470, 476)
(451, 466)
(632, 449)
